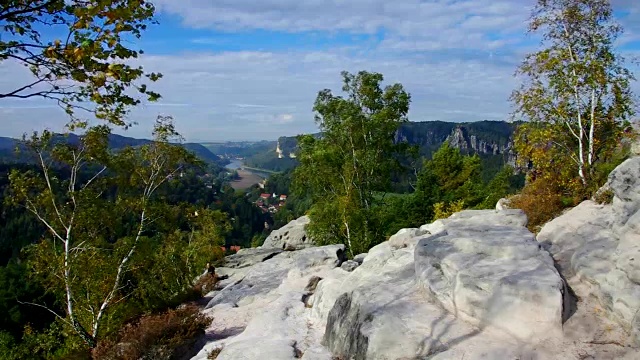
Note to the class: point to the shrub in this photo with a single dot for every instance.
(541, 202)
(442, 210)
(603, 196)
(213, 354)
(170, 335)
(205, 284)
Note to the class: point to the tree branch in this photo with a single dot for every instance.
(46, 308)
(9, 15)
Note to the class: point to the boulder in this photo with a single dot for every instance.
(360, 258)
(406, 237)
(268, 275)
(597, 246)
(635, 140)
(479, 281)
(290, 237)
(492, 274)
(473, 286)
(349, 265)
(503, 204)
(250, 256)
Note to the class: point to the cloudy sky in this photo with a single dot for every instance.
(249, 70)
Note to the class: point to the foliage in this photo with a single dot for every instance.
(213, 354)
(551, 184)
(170, 335)
(443, 210)
(355, 158)
(167, 265)
(77, 51)
(448, 178)
(603, 197)
(504, 183)
(541, 201)
(247, 220)
(577, 86)
(14, 288)
(103, 227)
(205, 284)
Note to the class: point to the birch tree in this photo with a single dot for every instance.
(97, 215)
(353, 160)
(577, 83)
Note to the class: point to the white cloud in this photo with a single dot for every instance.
(456, 58)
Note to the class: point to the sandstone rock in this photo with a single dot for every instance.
(250, 256)
(349, 265)
(391, 306)
(635, 147)
(405, 237)
(360, 258)
(635, 141)
(473, 286)
(492, 274)
(262, 314)
(266, 276)
(502, 204)
(290, 237)
(599, 246)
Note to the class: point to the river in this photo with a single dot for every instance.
(248, 178)
(234, 165)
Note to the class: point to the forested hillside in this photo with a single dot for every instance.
(492, 140)
(9, 145)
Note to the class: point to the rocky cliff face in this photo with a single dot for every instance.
(491, 138)
(477, 285)
(460, 138)
(482, 137)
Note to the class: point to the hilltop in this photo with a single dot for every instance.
(9, 145)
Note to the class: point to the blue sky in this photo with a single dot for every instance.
(248, 70)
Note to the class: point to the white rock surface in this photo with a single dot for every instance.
(598, 247)
(250, 256)
(261, 314)
(503, 204)
(473, 286)
(349, 265)
(500, 292)
(492, 274)
(292, 236)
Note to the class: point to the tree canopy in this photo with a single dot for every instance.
(343, 170)
(577, 85)
(101, 217)
(78, 53)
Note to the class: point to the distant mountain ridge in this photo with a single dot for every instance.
(481, 137)
(8, 146)
(490, 139)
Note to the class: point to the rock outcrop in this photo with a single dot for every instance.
(503, 280)
(597, 247)
(292, 236)
(476, 285)
(444, 288)
(250, 256)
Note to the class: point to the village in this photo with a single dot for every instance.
(271, 202)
